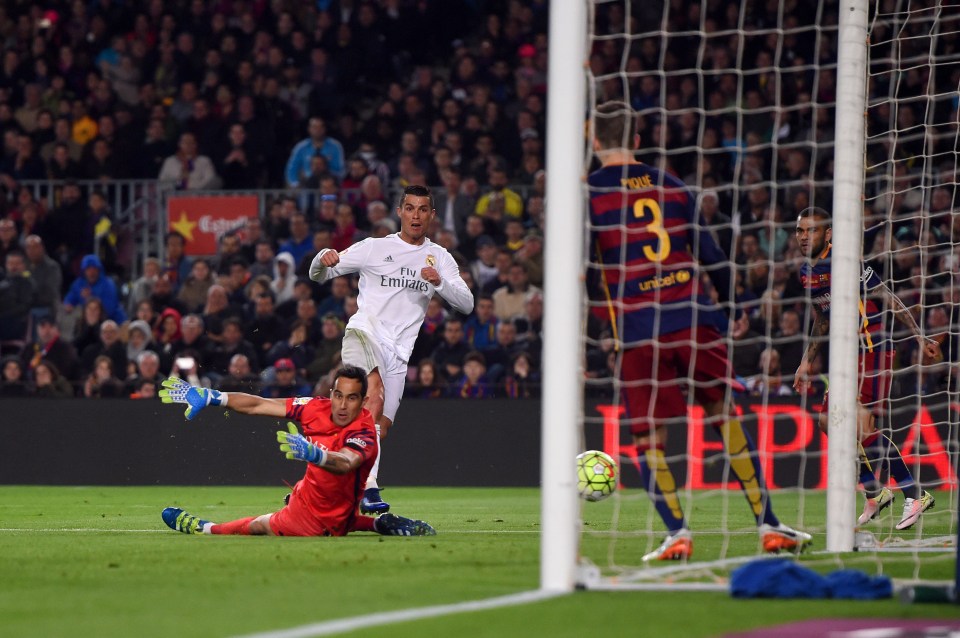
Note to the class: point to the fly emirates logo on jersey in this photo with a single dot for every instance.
(406, 278)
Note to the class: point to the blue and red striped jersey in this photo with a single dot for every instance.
(650, 242)
(816, 280)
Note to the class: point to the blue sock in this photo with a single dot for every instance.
(878, 448)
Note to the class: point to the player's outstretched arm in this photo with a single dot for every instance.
(298, 448)
(176, 390)
(929, 348)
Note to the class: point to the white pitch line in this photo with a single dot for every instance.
(329, 627)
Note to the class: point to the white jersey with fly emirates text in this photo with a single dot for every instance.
(393, 296)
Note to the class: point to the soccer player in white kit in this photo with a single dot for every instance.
(399, 274)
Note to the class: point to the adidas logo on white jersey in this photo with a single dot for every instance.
(388, 258)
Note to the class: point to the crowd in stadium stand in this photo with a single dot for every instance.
(350, 101)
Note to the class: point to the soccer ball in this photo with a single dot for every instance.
(596, 475)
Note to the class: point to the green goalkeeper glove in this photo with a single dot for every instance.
(298, 448)
(177, 390)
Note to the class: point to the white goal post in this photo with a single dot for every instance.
(797, 79)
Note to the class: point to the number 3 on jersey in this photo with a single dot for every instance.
(641, 208)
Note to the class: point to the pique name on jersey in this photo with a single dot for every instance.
(407, 279)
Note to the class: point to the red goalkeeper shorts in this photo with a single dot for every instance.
(657, 375)
(296, 519)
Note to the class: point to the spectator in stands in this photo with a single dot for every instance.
(769, 382)
(193, 292)
(193, 340)
(300, 242)
(484, 267)
(13, 382)
(530, 254)
(507, 346)
(86, 331)
(747, 346)
(451, 350)
(522, 378)
(326, 355)
(473, 384)
(232, 343)
(154, 151)
(334, 304)
(789, 339)
(217, 310)
(229, 250)
(242, 166)
(142, 286)
(512, 202)
(264, 329)
(109, 345)
(481, 327)
(508, 301)
(17, 295)
(284, 277)
(263, 256)
(177, 265)
(285, 384)
(61, 166)
(240, 379)
(530, 325)
(317, 143)
(345, 231)
(64, 229)
(322, 238)
(503, 261)
(139, 339)
(428, 384)
(24, 164)
(147, 369)
(49, 383)
(101, 383)
(8, 237)
(187, 169)
(49, 345)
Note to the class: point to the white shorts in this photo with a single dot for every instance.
(361, 350)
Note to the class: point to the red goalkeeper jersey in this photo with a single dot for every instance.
(333, 498)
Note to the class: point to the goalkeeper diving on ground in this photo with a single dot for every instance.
(339, 445)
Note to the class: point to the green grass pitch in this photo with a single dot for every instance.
(98, 561)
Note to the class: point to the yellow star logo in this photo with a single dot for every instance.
(184, 226)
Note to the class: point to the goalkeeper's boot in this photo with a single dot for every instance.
(372, 503)
(676, 546)
(913, 508)
(875, 505)
(780, 538)
(179, 521)
(393, 525)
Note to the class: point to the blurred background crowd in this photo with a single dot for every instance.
(336, 105)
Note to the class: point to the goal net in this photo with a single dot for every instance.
(738, 99)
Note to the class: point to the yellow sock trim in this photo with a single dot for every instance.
(735, 442)
(863, 456)
(665, 481)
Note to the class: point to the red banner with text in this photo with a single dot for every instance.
(792, 449)
(203, 220)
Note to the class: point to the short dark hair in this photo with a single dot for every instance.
(615, 124)
(416, 190)
(353, 372)
(817, 213)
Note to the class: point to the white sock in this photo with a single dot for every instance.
(206, 528)
(375, 470)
